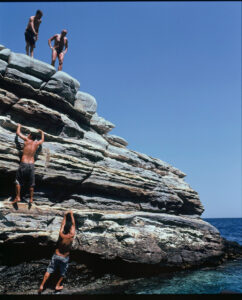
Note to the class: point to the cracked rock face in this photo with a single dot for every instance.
(128, 206)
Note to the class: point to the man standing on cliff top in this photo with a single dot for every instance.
(60, 259)
(25, 172)
(32, 31)
(58, 50)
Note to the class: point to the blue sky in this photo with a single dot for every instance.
(167, 74)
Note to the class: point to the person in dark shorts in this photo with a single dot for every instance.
(59, 49)
(25, 172)
(60, 259)
(32, 31)
(25, 175)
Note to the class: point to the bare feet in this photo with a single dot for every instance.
(58, 288)
(15, 200)
(40, 289)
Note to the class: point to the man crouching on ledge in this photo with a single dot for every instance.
(60, 258)
(25, 172)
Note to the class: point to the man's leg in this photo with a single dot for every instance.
(27, 48)
(50, 269)
(54, 55)
(32, 50)
(46, 276)
(31, 182)
(17, 198)
(63, 269)
(59, 287)
(31, 193)
(61, 58)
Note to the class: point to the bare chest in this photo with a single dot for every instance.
(60, 41)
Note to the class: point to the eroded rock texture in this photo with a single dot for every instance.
(128, 206)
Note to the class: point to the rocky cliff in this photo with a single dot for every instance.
(131, 210)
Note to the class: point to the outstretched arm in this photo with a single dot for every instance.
(42, 137)
(73, 227)
(20, 134)
(63, 225)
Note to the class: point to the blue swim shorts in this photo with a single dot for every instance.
(59, 263)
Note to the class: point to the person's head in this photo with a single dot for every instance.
(33, 136)
(63, 32)
(68, 224)
(39, 14)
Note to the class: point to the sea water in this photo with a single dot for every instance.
(212, 280)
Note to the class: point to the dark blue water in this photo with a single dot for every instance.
(230, 228)
(214, 280)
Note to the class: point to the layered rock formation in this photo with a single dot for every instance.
(129, 208)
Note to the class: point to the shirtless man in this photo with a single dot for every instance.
(60, 258)
(32, 31)
(60, 43)
(25, 172)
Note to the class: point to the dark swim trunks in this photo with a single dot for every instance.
(58, 50)
(25, 175)
(58, 263)
(29, 37)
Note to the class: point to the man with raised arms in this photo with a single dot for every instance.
(25, 172)
(60, 258)
(32, 31)
(60, 47)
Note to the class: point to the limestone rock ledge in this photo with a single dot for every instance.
(128, 206)
(135, 236)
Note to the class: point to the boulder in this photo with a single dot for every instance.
(3, 66)
(64, 85)
(31, 66)
(27, 111)
(156, 239)
(96, 139)
(7, 100)
(100, 124)
(2, 47)
(116, 140)
(23, 77)
(85, 101)
(4, 54)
